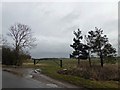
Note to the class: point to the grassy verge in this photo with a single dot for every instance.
(50, 68)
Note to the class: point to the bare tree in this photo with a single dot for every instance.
(119, 43)
(3, 41)
(22, 37)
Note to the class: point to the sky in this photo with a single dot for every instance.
(53, 23)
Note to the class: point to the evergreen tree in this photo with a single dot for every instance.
(80, 49)
(99, 44)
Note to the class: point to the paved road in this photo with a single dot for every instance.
(0, 77)
(13, 81)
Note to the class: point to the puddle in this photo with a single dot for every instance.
(52, 85)
(28, 76)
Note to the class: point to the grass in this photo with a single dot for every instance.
(50, 68)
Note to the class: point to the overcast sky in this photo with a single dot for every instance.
(53, 23)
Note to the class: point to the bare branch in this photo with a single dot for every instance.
(22, 36)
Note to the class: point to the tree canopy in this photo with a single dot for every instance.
(97, 43)
(80, 49)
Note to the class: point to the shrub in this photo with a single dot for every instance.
(9, 56)
(108, 72)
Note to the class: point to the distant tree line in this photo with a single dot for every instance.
(96, 42)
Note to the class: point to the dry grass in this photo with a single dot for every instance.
(96, 72)
(80, 75)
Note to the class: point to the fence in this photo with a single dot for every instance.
(52, 59)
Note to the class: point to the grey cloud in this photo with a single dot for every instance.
(53, 23)
(71, 17)
(50, 55)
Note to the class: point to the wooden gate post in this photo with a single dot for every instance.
(61, 63)
(34, 62)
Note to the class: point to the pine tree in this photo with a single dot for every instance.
(80, 49)
(99, 44)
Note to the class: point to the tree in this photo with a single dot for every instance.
(118, 44)
(90, 45)
(99, 43)
(22, 36)
(80, 49)
(8, 55)
(109, 51)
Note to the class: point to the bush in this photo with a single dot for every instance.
(9, 56)
(108, 72)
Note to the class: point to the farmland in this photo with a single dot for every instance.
(80, 75)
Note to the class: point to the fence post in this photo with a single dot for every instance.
(61, 63)
(34, 62)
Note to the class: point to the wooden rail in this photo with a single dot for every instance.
(52, 59)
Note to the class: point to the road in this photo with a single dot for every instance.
(0, 77)
(10, 80)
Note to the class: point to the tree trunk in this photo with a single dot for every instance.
(17, 56)
(89, 59)
(101, 58)
(78, 61)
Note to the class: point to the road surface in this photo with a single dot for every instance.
(10, 80)
(0, 77)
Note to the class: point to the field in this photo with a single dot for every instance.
(80, 75)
